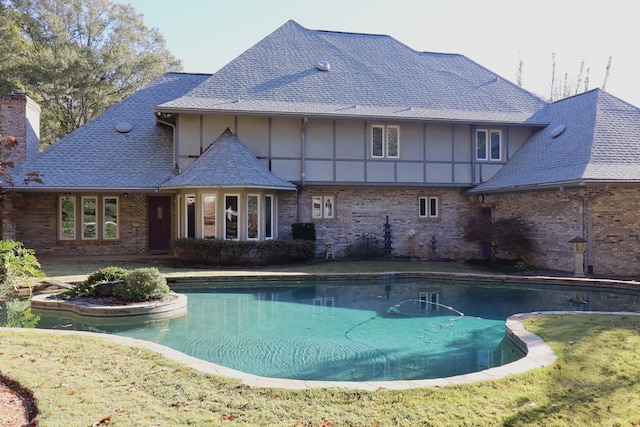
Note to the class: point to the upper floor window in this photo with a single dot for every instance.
(385, 141)
(488, 144)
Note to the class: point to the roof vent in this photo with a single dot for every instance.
(124, 127)
(557, 131)
(323, 66)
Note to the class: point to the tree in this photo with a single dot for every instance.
(562, 85)
(81, 57)
(506, 235)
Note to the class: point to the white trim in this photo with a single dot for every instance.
(75, 218)
(95, 219)
(215, 216)
(428, 211)
(186, 215)
(270, 222)
(104, 218)
(228, 211)
(487, 153)
(258, 222)
(385, 141)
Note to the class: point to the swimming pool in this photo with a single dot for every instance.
(373, 330)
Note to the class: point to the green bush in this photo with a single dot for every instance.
(304, 231)
(142, 284)
(17, 266)
(104, 275)
(235, 253)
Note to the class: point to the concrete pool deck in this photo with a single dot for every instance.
(538, 353)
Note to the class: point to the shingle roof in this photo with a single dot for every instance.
(600, 143)
(228, 163)
(96, 156)
(370, 76)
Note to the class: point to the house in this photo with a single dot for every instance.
(347, 131)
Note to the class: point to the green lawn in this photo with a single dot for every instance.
(80, 381)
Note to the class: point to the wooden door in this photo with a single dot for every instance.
(159, 223)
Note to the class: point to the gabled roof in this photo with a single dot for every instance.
(600, 144)
(369, 76)
(97, 156)
(228, 163)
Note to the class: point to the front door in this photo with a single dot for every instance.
(159, 223)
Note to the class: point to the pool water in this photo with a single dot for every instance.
(339, 331)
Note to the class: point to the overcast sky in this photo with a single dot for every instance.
(497, 34)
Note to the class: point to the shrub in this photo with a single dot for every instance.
(365, 246)
(304, 231)
(506, 236)
(233, 253)
(88, 287)
(17, 265)
(142, 284)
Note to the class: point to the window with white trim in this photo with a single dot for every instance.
(428, 207)
(253, 217)
(190, 215)
(488, 144)
(209, 216)
(110, 229)
(67, 218)
(231, 217)
(94, 218)
(385, 141)
(268, 217)
(323, 207)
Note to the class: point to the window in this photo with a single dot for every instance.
(67, 218)
(99, 218)
(323, 207)
(89, 224)
(268, 217)
(230, 217)
(385, 141)
(110, 217)
(209, 216)
(488, 144)
(253, 217)
(191, 216)
(428, 207)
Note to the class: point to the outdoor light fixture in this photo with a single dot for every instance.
(579, 246)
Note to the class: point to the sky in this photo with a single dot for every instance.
(497, 34)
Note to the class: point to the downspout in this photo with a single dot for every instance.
(590, 228)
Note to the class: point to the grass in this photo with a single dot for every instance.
(80, 381)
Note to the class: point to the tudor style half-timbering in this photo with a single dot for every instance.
(344, 130)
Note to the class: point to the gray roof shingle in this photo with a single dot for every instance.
(228, 163)
(96, 156)
(600, 143)
(370, 76)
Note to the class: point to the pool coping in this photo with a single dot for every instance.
(538, 354)
(176, 306)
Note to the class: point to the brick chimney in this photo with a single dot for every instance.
(20, 118)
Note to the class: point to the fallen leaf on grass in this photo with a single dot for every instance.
(102, 421)
(228, 417)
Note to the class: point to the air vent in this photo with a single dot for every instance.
(557, 131)
(124, 127)
(323, 66)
